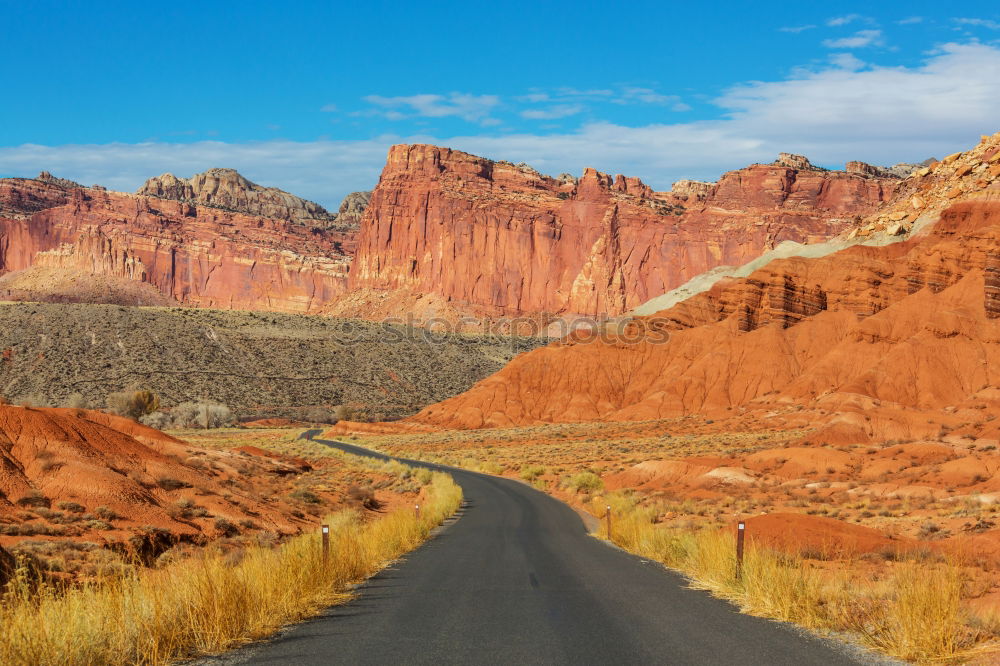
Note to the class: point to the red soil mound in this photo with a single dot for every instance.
(291, 460)
(817, 536)
(70, 466)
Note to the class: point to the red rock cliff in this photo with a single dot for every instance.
(913, 324)
(508, 240)
(196, 255)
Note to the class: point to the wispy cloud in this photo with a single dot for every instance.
(534, 97)
(647, 96)
(328, 108)
(552, 112)
(860, 39)
(978, 22)
(837, 21)
(586, 94)
(473, 108)
(621, 95)
(880, 115)
(796, 28)
(911, 20)
(846, 61)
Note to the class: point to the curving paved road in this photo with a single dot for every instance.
(517, 580)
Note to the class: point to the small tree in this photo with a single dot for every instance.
(345, 413)
(158, 420)
(76, 401)
(133, 404)
(146, 402)
(202, 414)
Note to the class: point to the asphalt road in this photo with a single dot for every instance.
(517, 580)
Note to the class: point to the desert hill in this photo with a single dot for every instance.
(260, 364)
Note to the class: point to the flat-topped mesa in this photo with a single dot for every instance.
(227, 189)
(505, 240)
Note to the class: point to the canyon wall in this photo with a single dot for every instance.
(506, 240)
(913, 324)
(195, 255)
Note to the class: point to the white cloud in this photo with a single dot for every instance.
(846, 61)
(796, 28)
(328, 108)
(534, 97)
(842, 20)
(978, 22)
(911, 20)
(880, 115)
(473, 108)
(552, 112)
(593, 93)
(647, 96)
(860, 39)
(323, 171)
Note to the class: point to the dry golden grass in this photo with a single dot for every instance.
(212, 602)
(578, 445)
(913, 612)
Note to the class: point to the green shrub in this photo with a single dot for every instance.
(531, 472)
(585, 482)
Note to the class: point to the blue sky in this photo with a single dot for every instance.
(308, 96)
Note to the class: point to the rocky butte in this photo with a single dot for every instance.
(227, 189)
(502, 239)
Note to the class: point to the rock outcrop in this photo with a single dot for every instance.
(194, 255)
(227, 189)
(503, 239)
(47, 177)
(22, 197)
(798, 162)
(352, 208)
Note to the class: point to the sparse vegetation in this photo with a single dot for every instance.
(531, 472)
(202, 414)
(260, 364)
